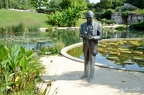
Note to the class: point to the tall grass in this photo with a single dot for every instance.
(12, 17)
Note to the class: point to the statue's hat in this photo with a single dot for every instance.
(89, 14)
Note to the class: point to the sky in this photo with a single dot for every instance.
(94, 1)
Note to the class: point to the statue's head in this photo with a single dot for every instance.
(89, 16)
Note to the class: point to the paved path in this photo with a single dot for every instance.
(67, 73)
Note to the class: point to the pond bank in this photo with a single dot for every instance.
(76, 28)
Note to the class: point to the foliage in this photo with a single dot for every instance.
(137, 26)
(105, 21)
(49, 29)
(139, 4)
(32, 29)
(141, 12)
(56, 19)
(55, 49)
(107, 14)
(18, 29)
(20, 70)
(120, 28)
(90, 6)
(68, 17)
(70, 3)
(65, 4)
(72, 15)
(106, 4)
(98, 15)
(104, 14)
(116, 3)
(17, 4)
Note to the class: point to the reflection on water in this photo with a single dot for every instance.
(110, 33)
(25, 41)
(128, 54)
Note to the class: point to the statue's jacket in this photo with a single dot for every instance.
(91, 44)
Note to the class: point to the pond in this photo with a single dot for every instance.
(118, 53)
(31, 41)
(111, 33)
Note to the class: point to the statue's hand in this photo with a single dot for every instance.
(89, 37)
(85, 34)
(81, 36)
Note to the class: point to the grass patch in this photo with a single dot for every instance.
(12, 17)
(29, 19)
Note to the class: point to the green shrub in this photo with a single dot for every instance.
(120, 28)
(98, 15)
(107, 14)
(19, 28)
(68, 17)
(105, 21)
(49, 29)
(33, 29)
(13, 29)
(137, 26)
(55, 49)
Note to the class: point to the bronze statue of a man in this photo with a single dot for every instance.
(91, 32)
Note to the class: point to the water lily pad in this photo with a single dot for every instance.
(139, 59)
(129, 62)
(125, 52)
(113, 53)
(137, 52)
(112, 58)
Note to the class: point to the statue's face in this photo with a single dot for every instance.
(89, 20)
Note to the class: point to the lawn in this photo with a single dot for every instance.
(13, 17)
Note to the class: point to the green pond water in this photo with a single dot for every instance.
(126, 53)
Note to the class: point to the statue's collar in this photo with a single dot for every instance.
(92, 23)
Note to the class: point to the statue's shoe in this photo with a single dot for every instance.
(84, 76)
(90, 79)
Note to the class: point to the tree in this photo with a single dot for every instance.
(34, 3)
(90, 6)
(71, 3)
(54, 4)
(65, 4)
(106, 4)
(87, 1)
(5, 4)
(139, 3)
(116, 3)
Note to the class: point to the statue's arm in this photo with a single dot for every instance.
(81, 32)
(99, 33)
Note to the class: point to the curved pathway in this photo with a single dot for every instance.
(66, 74)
